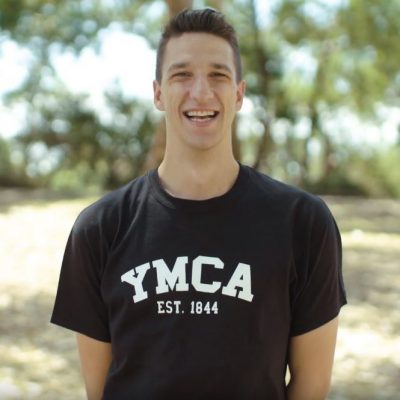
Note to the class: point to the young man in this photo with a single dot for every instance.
(203, 279)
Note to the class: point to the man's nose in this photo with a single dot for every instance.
(201, 89)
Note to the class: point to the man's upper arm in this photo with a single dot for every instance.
(95, 357)
(310, 362)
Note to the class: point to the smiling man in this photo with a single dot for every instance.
(199, 87)
(203, 279)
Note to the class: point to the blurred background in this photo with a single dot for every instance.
(77, 119)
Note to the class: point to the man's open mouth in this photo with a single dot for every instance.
(200, 116)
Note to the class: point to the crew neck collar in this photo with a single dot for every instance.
(196, 205)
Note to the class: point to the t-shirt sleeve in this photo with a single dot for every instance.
(79, 303)
(317, 290)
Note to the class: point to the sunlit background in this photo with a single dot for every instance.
(77, 119)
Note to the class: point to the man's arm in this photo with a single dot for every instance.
(95, 359)
(310, 362)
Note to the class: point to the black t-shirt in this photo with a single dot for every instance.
(199, 299)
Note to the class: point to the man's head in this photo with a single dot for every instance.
(199, 86)
(199, 21)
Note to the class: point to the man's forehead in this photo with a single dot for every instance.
(196, 41)
(195, 47)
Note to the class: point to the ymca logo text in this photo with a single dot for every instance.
(174, 280)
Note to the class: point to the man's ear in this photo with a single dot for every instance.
(157, 96)
(240, 92)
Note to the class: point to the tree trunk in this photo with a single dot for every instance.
(316, 130)
(266, 142)
(265, 146)
(216, 4)
(328, 162)
(235, 141)
(157, 148)
(176, 6)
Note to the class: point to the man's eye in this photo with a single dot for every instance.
(180, 74)
(218, 75)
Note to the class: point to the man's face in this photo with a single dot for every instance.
(198, 91)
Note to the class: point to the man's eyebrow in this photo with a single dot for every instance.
(222, 66)
(177, 66)
(180, 65)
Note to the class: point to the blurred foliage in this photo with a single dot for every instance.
(305, 62)
(5, 162)
(12, 172)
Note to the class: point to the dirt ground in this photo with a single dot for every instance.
(39, 361)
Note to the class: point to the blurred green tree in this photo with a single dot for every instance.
(86, 147)
(352, 57)
(303, 64)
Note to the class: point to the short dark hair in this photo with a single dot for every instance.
(203, 21)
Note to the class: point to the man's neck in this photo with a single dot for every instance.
(198, 179)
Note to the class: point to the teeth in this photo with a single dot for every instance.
(200, 113)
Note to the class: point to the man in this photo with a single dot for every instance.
(203, 279)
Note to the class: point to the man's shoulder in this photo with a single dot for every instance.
(114, 205)
(281, 194)
(264, 184)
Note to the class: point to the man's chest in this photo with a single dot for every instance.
(198, 268)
